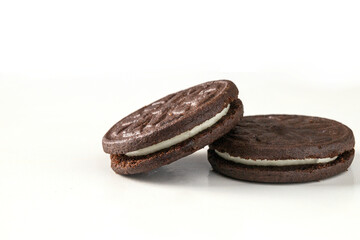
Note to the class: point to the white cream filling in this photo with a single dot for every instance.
(181, 137)
(268, 162)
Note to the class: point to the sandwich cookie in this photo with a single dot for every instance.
(173, 127)
(283, 149)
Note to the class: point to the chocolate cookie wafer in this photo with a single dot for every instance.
(173, 127)
(283, 149)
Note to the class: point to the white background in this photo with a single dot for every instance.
(70, 69)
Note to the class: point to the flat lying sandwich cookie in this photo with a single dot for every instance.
(173, 127)
(283, 149)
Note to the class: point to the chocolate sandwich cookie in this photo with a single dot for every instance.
(283, 149)
(173, 127)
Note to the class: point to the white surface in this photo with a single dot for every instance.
(56, 182)
(70, 69)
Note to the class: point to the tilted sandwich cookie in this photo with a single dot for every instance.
(283, 149)
(173, 127)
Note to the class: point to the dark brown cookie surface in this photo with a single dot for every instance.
(284, 137)
(123, 164)
(169, 116)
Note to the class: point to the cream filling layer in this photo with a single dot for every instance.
(269, 162)
(181, 137)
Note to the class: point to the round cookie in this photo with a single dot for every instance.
(173, 127)
(283, 149)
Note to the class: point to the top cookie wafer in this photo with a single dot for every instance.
(169, 116)
(286, 137)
